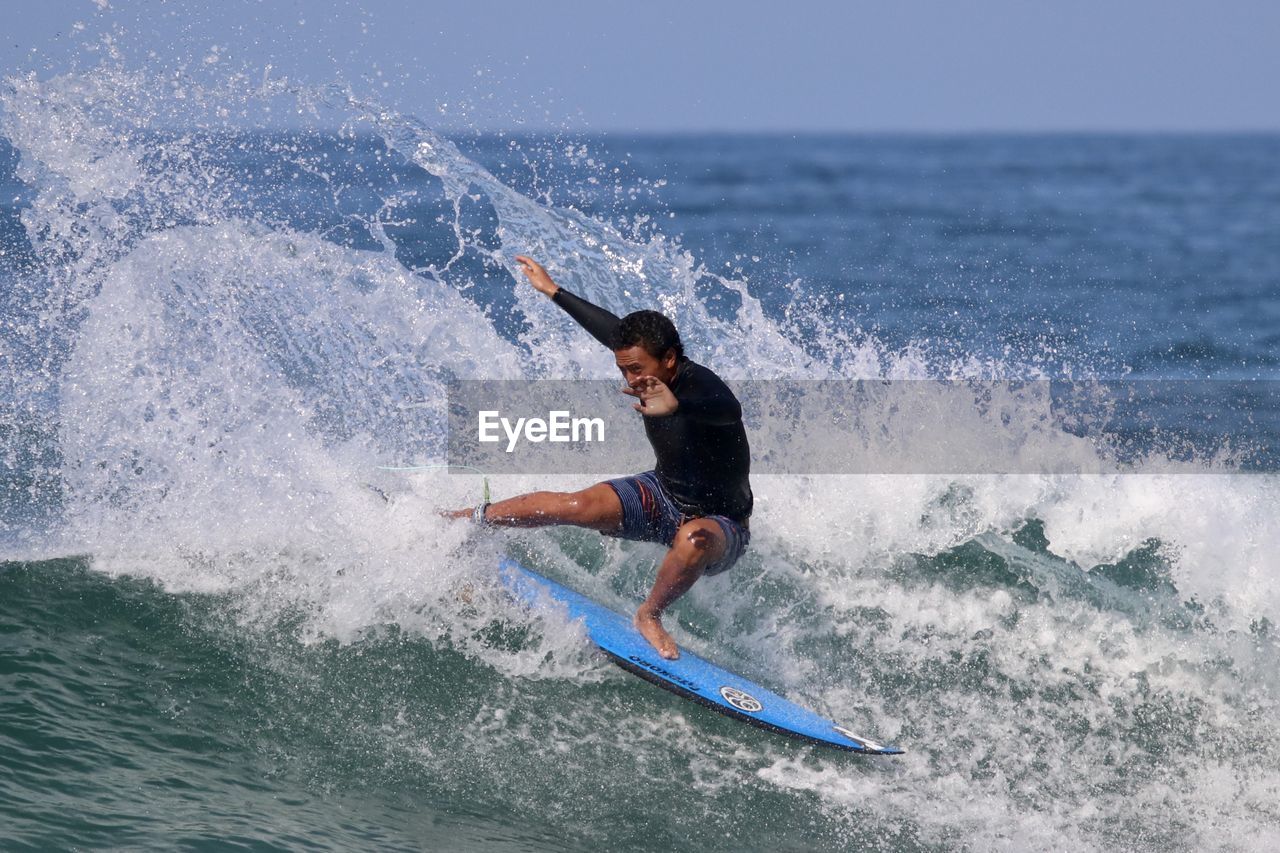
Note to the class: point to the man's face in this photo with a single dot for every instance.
(635, 362)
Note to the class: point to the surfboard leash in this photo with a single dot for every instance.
(484, 478)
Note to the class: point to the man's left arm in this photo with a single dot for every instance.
(705, 399)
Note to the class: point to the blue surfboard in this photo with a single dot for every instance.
(689, 676)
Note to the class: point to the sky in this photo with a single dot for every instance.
(705, 65)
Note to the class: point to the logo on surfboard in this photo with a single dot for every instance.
(741, 700)
(653, 667)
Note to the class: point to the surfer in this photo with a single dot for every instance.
(697, 500)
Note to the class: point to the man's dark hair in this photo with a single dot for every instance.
(650, 330)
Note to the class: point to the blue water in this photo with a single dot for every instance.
(214, 633)
(1142, 255)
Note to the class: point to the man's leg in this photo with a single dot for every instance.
(597, 508)
(698, 544)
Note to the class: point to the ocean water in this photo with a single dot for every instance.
(217, 328)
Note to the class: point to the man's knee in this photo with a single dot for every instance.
(701, 540)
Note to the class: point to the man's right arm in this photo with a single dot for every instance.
(596, 320)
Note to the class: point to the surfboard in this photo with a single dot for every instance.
(689, 676)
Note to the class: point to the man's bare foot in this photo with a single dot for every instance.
(649, 624)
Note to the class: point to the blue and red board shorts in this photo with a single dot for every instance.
(649, 515)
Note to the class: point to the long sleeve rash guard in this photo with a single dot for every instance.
(703, 460)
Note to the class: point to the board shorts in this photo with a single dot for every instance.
(649, 515)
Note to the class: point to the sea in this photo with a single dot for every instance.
(231, 617)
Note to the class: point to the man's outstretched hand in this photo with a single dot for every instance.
(656, 399)
(537, 275)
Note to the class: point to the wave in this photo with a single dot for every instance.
(240, 328)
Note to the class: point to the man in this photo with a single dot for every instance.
(697, 500)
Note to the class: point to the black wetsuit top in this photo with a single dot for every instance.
(703, 460)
